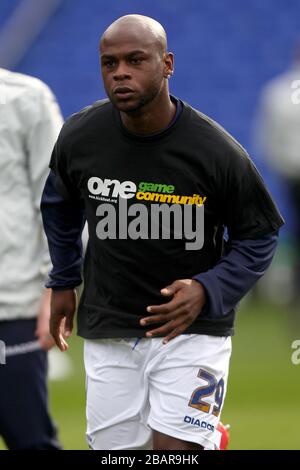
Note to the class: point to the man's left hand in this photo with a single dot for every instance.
(177, 315)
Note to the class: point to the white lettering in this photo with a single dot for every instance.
(113, 188)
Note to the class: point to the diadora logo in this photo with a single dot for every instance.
(113, 188)
(199, 423)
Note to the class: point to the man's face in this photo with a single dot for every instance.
(132, 71)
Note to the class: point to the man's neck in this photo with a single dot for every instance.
(150, 119)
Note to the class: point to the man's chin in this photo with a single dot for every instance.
(127, 106)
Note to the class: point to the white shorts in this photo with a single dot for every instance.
(134, 385)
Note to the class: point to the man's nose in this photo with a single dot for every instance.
(122, 72)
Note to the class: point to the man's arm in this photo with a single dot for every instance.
(250, 215)
(236, 273)
(214, 292)
(63, 224)
(42, 124)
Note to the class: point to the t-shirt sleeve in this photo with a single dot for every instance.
(248, 208)
(60, 165)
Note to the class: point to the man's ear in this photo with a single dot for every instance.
(169, 62)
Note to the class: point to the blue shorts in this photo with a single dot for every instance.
(24, 418)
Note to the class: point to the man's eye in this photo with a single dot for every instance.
(109, 63)
(136, 61)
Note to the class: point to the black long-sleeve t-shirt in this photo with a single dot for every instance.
(196, 177)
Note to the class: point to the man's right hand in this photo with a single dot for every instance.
(63, 307)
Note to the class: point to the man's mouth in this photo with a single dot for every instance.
(122, 92)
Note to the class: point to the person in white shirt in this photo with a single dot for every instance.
(30, 120)
(277, 132)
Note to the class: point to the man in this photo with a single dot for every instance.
(278, 138)
(30, 121)
(157, 182)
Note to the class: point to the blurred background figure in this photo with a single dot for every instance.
(278, 139)
(30, 120)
